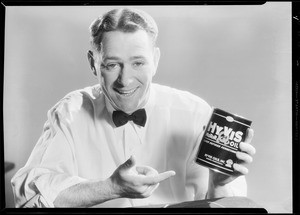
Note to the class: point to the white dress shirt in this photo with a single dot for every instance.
(80, 142)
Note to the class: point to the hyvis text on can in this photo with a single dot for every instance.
(223, 134)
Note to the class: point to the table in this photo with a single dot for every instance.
(227, 204)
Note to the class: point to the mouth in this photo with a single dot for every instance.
(126, 93)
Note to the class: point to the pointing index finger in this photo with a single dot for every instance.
(150, 180)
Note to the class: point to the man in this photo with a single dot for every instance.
(119, 143)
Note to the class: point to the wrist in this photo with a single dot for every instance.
(218, 190)
(113, 188)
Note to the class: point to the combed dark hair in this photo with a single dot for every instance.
(125, 20)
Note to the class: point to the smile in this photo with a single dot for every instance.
(126, 93)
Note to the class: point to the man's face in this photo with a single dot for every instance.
(128, 61)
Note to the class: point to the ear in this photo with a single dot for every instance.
(156, 56)
(91, 60)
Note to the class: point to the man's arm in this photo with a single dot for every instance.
(85, 194)
(128, 181)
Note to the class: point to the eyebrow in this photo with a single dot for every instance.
(131, 58)
(110, 58)
(137, 57)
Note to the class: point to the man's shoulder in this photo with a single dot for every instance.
(78, 101)
(177, 98)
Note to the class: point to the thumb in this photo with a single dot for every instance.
(129, 163)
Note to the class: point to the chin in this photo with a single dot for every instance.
(126, 108)
(129, 110)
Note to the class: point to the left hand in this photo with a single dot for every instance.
(244, 157)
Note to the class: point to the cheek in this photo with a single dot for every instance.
(146, 79)
(146, 76)
(108, 78)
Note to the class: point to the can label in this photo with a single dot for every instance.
(221, 140)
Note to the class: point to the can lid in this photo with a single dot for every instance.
(232, 117)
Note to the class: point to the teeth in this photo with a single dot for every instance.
(127, 93)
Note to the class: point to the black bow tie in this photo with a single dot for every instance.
(120, 118)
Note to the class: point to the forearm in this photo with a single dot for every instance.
(86, 194)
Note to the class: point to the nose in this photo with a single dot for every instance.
(125, 76)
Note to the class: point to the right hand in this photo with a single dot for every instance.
(130, 181)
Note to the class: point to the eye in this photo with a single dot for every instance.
(138, 63)
(111, 66)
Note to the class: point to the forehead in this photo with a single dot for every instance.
(118, 43)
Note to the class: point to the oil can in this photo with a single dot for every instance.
(222, 137)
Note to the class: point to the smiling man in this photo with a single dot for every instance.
(125, 141)
(128, 63)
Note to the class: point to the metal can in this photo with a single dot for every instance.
(223, 135)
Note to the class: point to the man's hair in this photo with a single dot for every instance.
(125, 20)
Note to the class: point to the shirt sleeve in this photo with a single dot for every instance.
(197, 175)
(51, 166)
